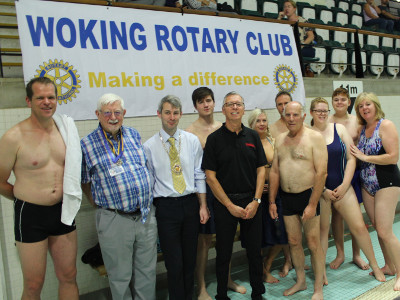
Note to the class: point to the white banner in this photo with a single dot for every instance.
(144, 55)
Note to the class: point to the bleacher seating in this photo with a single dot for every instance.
(249, 7)
(270, 7)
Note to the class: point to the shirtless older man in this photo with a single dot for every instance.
(300, 169)
(40, 150)
(281, 99)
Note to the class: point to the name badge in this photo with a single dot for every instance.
(114, 171)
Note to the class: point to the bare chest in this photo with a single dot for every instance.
(39, 150)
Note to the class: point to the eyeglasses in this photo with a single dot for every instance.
(231, 104)
(321, 112)
(108, 114)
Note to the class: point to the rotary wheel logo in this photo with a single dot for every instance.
(64, 77)
(285, 78)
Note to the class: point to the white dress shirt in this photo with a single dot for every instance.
(158, 163)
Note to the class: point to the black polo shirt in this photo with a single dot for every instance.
(235, 158)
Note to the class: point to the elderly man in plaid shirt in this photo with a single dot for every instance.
(116, 181)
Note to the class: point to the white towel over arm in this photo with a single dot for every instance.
(72, 196)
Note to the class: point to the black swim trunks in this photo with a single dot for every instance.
(34, 223)
(295, 203)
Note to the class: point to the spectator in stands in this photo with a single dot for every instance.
(385, 14)
(371, 17)
(148, 2)
(378, 152)
(173, 3)
(307, 35)
(116, 181)
(208, 5)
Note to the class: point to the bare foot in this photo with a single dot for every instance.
(337, 262)
(294, 289)
(236, 287)
(359, 262)
(203, 295)
(385, 270)
(317, 295)
(285, 269)
(270, 279)
(378, 274)
(397, 284)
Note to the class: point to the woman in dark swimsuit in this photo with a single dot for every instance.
(378, 151)
(339, 192)
(275, 242)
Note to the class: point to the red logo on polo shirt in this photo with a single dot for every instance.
(250, 145)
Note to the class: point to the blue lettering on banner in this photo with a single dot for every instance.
(102, 34)
(142, 38)
(201, 39)
(193, 31)
(270, 44)
(183, 37)
(87, 33)
(286, 48)
(115, 33)
(66, 23)
(41, 27)
(66, 32)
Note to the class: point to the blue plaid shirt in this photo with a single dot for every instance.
(125, 191)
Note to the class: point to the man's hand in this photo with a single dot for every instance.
(251, 210)
(309, 213)
(204, 214)
(273, 211)
(236, 211)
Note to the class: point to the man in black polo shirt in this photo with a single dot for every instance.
(234, 161)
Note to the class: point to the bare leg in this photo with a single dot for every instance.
(325, 207)
(288, 262)
(349, 209)
(293, 229)
(338, 235)
(233, 285)
(33, 257)
(203, 246)
(369, 204)
(385, 205)
(63, 250)
(272, 252)
(312, 233)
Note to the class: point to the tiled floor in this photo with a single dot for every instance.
(345, 283)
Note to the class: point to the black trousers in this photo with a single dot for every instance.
(178, 222)
(250, 233)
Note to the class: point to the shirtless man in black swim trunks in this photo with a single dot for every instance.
(35, 151)
(300, 169)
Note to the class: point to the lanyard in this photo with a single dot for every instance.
(114, 156)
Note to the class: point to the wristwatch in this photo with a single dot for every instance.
(257, 199)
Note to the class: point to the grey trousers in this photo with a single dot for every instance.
(129, 250)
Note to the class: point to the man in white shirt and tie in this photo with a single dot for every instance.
(179, 189)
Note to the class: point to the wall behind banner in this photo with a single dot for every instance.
(88, 279)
